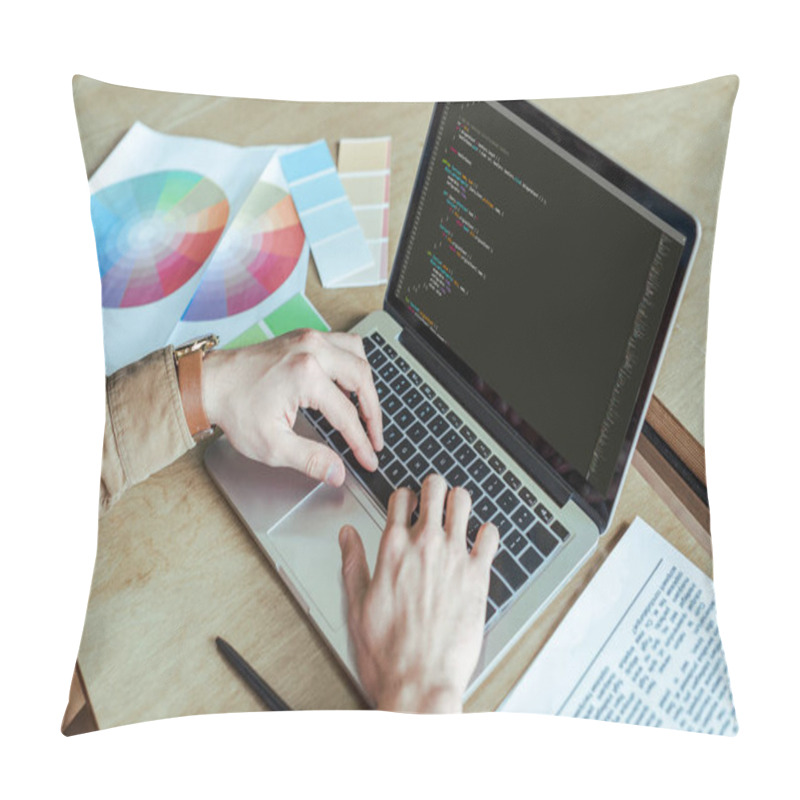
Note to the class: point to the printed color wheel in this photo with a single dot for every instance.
(153, 233)
(257, 255)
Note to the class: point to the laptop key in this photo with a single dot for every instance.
(511, 572)
(490, 611)
(473, 526)
(390, 351)
(441, 405)
(531, 560)
(515, 542)
(412, 398)
(396, 472)
(465, 455)
(404, 450)
(492, 485)
(544, 514)
(485, 509)
(427, 391)
(498, 591)
(419, 466)
(381, 389)
(392, 435)
(497, 465)
(402, 365)
(430, 447)
(482, 449)
(468, 434)
(424, 411)
(391, 404)
(474, 491)
(385, 457)
(527, 496)
(403, 418)
(377, 338)
(478, 469)
(503, 524)
(507, 501)
(512, 480)
(417, 432)
(522, 518)
(443, 462)
(401, 384)
(560, 530)
(451, 440)
(454, 419)
(376, 359)
(456, 476)
(438, 425)
(415, 378)
(544, 541)
(388, 371)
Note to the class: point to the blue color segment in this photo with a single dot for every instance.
(307, 161)
(329, 220)
(317, 191)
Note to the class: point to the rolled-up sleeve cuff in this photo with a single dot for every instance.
(145, 425)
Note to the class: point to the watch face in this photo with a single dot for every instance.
(204, 343)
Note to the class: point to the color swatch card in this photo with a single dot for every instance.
(297, 312)
(364, 169)
(337, 242)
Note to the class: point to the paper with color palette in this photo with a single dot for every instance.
(364, 169)
(193, 236)
(337, 242)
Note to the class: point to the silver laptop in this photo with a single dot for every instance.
(529, 305)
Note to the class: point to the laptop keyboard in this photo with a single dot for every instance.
(422, 434)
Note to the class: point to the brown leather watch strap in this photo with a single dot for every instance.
(190, 382)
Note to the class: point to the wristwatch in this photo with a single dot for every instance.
(189, 366)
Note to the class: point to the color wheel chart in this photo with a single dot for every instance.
(255, 257)
(153, 233)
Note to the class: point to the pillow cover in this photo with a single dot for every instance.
(175, 567)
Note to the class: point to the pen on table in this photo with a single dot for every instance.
(262, 689)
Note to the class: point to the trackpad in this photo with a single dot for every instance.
(308, 543)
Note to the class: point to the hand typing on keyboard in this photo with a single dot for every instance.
(255, 393)
(417, 623)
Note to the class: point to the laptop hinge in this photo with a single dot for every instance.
(558, 489)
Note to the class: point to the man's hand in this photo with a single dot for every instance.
(254, 395)
(417, 625)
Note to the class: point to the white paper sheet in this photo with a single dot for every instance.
(640, 645)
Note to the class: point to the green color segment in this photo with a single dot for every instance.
(253, 335)
(296, 312)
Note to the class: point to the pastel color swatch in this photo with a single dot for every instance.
(333, 232)
(364, 169)
(296, 312)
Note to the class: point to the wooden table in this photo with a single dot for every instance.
(174, 566)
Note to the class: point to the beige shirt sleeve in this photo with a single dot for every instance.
(145, 425)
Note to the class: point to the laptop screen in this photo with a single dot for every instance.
(545, 274)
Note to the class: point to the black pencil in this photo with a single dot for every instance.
(260, 687)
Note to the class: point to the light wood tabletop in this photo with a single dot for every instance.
(175, 568)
